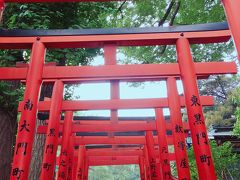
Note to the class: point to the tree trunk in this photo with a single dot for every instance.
(8, 127)
(37, 154)
(39, 140)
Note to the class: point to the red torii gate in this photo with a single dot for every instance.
(117, 104)
(116, 127)
(121, 127)
(37, 72)
(121, 140)
(230, 7)
(58, 85)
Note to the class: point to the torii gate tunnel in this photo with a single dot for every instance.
(91, 141)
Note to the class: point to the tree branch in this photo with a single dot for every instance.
(163, 49)
(171, 20)
(219, 81)
(175, 13)
(161, 22)
(121, 6)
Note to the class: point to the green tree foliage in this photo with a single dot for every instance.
(236, 100)
(223, 157)
(51, 16)
(56, 15)
(219, 86)
(167, 13)
(222, 116)
(225, 89)
(125, 172)
(225, 161)
(10, 92)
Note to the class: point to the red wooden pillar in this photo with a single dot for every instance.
(141, 168)
(74, 171)
(2, 6)
(110, 51)
(155, 172)
(177, 130)
(71, 157)
(27, 123)
(80, 163)
(51, 145)
(232, 13)
(163, 146)
(146, 162)
(86, 169)
(65, 146)
(194, 110)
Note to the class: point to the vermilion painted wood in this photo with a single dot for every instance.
(113, 161)
(86, 168)
(119, 148)
(232, 13)
(147, 165)
(141, 168)
(152, 156)
(194, 110)
(71, 162)
(114, 104)
(118, 160)
(147, 123)
(71, 74)
(110, 53)
(80, 162)
(114, 152)
(120, 151)
(111, 152)
(27, 123)
(51, 144)
(75, 163)
(163, 146)
(126, 153)
(137, 125)
(94, 41)
(177, 130)
(110, 127)
(115, 140)
(65, 146)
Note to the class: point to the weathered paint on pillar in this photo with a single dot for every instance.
(177, 130)
(74, 171)
(146, 163)
(141, 168)
(163, 146)
(194, 110)
(80, 163)
(231, 8)
(65, 154)
(51, 144)
(86, 169)
(27, 123)
(155, 172)
(71, 157)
